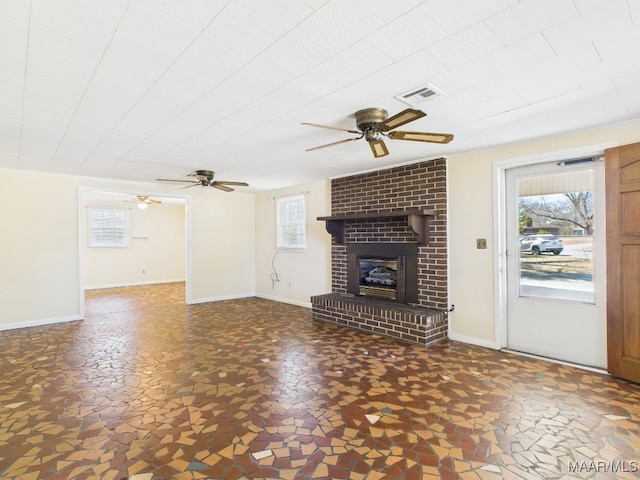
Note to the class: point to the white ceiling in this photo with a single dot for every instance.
(140, 89)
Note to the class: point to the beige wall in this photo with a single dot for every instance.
(39, 261)
(222, 245)
(156, 253)
(473, 273)
(301, 274)
(40, 279)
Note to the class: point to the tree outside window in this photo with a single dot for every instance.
(566, 211)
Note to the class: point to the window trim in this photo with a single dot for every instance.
(280, 245)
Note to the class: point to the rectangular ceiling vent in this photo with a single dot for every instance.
(419, 95)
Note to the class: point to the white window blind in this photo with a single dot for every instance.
(109, 227)
(292, 225)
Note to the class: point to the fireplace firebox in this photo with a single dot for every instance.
(379, 276)
(383, 270)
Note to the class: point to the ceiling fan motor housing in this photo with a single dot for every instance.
(368, 119)
(205, 177)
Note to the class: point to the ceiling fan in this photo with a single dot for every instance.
(205, 178)
(143, 201)
(373, 124)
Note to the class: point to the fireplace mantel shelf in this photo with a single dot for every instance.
(418, 221)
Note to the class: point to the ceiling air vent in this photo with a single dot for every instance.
(419, 95)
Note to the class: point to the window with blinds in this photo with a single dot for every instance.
(109, 227)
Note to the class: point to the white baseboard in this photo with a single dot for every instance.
(40, 322)
(249, 295)
(132, 284)
(480, 342)
(298, 303)
(195, 301)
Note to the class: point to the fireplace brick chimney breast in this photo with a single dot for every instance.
(416, 186)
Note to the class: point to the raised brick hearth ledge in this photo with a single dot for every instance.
(409, 323)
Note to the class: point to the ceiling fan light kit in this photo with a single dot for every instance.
(374, 123)
(143, 201)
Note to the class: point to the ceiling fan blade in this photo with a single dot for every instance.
(422, 137)
(405, 116)
(224, 182)
(219, 186)
(378, 148)
(174, 180)
(332, 144)
(196, 184)
(332, 128)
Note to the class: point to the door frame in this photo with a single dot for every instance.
(499, 172)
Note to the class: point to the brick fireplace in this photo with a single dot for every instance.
(383, 215)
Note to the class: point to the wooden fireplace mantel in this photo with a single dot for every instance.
(418, 221)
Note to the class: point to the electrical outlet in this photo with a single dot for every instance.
(481, 243)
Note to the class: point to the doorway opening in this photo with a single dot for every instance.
(155, 244)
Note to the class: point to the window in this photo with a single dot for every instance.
(108, 227)
(291, 223)
(554, 261)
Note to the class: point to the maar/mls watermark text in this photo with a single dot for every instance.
(602, 466)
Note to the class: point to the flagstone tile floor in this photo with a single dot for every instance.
(148, 388)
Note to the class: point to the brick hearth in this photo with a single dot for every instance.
(409, 323)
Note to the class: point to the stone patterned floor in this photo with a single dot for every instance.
(148, 388)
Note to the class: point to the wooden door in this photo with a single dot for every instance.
(622, 180)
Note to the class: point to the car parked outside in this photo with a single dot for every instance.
(537, 244)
